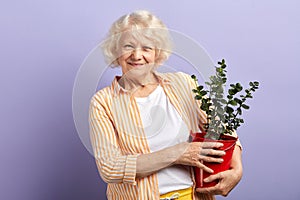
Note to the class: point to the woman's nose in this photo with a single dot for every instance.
(137, 54)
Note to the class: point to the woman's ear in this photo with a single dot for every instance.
(158, 60)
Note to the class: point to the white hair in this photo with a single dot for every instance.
(142, 25)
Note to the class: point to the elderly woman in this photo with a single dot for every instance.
(140, 124)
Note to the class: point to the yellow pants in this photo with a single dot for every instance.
(184, 194)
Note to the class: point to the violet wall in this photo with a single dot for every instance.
(43, 44)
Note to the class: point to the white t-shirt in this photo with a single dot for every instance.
(164, 127)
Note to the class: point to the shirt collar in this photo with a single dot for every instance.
(117, 89)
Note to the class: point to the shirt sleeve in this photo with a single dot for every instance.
(112, 164)
(200, 113)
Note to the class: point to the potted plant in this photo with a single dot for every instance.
(223, 113)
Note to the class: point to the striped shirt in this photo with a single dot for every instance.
(118, 137)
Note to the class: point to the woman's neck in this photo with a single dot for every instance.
(141, 86)
(133, 82)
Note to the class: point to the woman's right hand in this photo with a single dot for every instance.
(192, 154)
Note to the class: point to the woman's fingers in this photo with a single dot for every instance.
(211, 159)
(210, 145)
(205, 168)
(193, 154)
(208, 148)
(212, 152)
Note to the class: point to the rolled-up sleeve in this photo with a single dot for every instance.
(114, 165)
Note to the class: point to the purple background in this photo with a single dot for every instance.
(43, 44)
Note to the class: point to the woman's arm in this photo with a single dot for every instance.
(183, 154)
(115, 167)
(112, 164)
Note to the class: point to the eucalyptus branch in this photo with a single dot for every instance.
(222, 114)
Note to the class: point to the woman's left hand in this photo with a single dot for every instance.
(227, 181)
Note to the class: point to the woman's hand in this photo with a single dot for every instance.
(192, 154)
(227, 179)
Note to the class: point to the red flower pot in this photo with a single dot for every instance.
(228, 147)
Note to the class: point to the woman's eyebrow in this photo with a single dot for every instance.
(128, 42)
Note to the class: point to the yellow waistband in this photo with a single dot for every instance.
(184, 194)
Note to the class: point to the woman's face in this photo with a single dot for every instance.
(135, 54)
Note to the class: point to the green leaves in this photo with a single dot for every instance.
(239, 101)
(232, 92)
(194, 77)
(245, 106)
(200, 87)
(222, 64)
(235, 88)
(198, 97)
(238, 87)
(254, 84)
(229, 109)
(203, 92)
(232, 102)
(222, 113)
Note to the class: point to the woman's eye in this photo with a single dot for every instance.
(147, 48)
(128, 47)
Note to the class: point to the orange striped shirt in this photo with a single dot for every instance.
(118, 137)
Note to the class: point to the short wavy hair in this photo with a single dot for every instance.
(142, 25)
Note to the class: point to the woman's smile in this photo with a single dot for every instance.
(136, 64)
